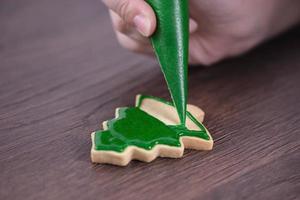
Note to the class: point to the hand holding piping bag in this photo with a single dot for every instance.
(218, 29)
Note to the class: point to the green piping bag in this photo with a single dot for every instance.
(170, 42)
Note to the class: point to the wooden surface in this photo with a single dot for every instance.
(62, 73)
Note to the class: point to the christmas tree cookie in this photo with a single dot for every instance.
(149, 130)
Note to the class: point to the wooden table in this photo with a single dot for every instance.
(62, 73)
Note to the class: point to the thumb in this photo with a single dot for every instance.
(136, 13)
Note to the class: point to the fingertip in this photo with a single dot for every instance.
(152, 19)
(142, 24)
(145, 20)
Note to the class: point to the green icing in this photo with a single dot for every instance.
(170, 42)
(134, 127)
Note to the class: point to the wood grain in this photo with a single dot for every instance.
(62, 72)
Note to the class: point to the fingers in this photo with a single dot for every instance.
(135, 13)
(206, 50)
(129, 37)
(134, 21)
(122, 27)
(134, 45)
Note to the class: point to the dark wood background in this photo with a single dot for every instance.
(62, 73)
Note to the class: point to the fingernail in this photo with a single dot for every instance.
(142, 24)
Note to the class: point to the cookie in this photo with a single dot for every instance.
(149, 130)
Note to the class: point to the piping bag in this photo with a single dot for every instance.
(170, 42)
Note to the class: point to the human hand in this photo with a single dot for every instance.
(218, 28)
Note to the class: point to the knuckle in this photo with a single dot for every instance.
(123, 9)
(118, 23)
(214, 53)
(120, 26)
(209, 57)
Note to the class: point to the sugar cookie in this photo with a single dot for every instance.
(150, 129)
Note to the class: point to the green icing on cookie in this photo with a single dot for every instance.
(134, 127)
